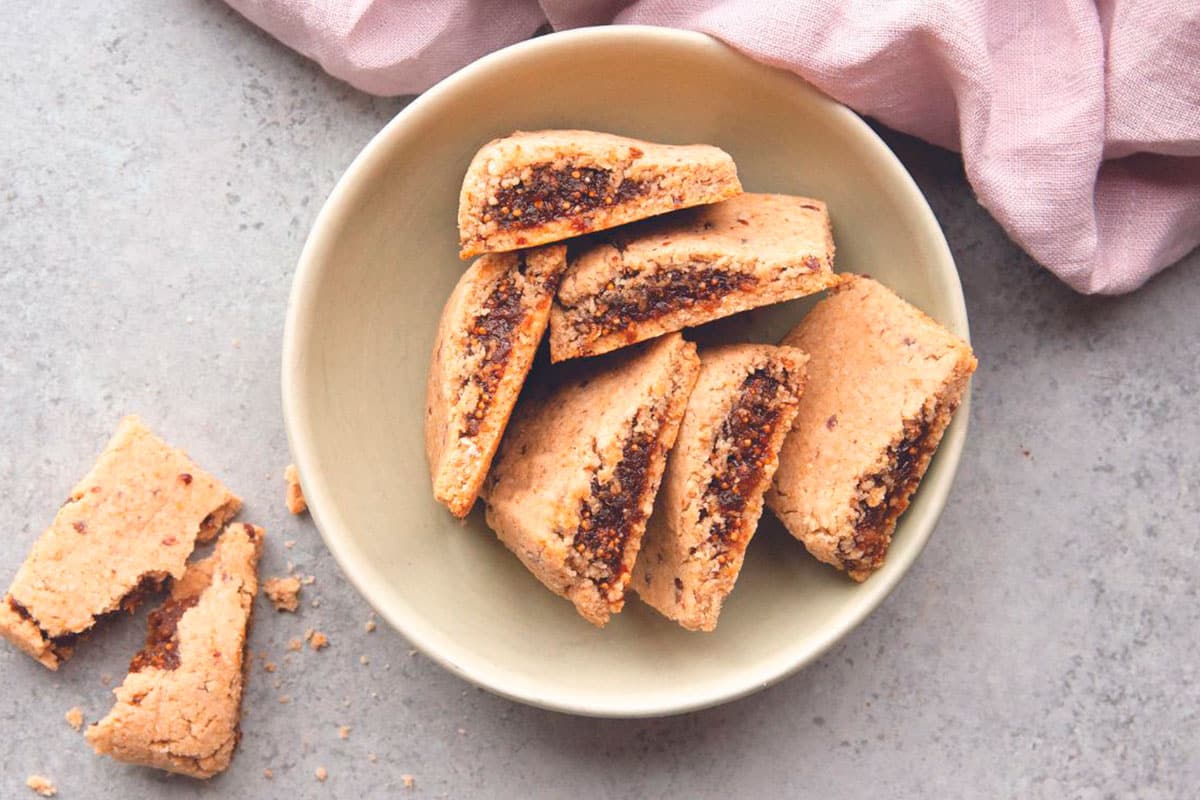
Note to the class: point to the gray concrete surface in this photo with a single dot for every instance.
(160, 164)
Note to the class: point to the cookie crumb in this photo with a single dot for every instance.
(289, 544)
(318, 641)
(344, 732)
(364, 660)
(42, 785)
(462, 731)
(268, 774)
(295, 645)
(372, 757)
(409, 781)
(370, 626)
(316, 603)
(284, 699)
(74, 717)
(237, 343)
(322, 774)
(269, 666)
(284, 593)
(309, 580)
(295, 495)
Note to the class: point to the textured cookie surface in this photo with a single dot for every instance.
(883, 382)
(711, 499)
(688, 268)
(488, 335)
(129, 524)
(179, 706)
(576, 476)
(537, 187)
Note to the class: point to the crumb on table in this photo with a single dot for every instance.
(295, 495)
(284, 593)
(318, 641)
(268, 774)
(42, 785)
(295, 645)
(322, 774)
(344, 732)
(409, 781)
(74, 717)
(370, 626)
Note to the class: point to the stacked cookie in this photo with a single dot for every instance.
(832, 429)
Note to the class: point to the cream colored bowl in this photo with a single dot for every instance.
(381, 260)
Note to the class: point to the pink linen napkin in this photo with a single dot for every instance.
(1078, 121)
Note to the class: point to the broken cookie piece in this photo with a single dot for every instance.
(41, 785)
(489, 332)
(689, 268)
(128, 525)
(295, 495)
(712, 493)
(178, 708)
(284, 593)
(883, 382)
(576, 476)
(536, 187)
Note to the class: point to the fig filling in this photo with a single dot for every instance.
(746, 433)
(613, 510)
(552, 193)
(660, 294)
(872, 531)
(162, 639)
(492, 333)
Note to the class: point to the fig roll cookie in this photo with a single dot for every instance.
(488, 335)
(711, 500)
(538, 187)
(883, 382)
(575, 480)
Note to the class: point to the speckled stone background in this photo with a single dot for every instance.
(160, 164)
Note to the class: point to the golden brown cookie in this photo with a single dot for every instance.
(178, 709)
(712, 493)
(128, 525)
(489, 332)
(576, 476)
(689, 268)
(537, 187)
(883, 382)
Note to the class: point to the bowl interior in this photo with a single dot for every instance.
(382, 260)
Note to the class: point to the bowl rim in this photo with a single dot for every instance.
(426, 638)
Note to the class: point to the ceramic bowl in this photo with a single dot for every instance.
(382, 259)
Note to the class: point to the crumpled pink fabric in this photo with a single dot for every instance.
(1079, 121)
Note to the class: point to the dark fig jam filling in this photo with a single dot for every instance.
(613, 510)
(492, 332)
(871, 531)
(747, 431)
(147, 585)
(658, 295)
(555, 192)
(162, 639)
